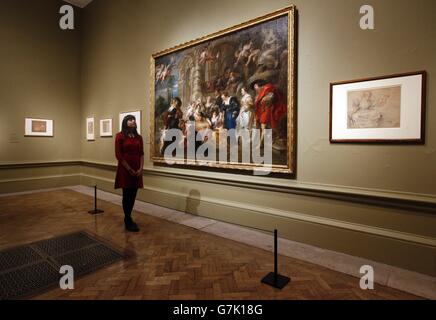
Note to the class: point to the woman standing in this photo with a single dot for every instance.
(129, 150)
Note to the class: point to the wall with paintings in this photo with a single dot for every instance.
(362, 199)
(39, 78)
(120, 39)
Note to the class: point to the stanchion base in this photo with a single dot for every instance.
(281, 282)
(95, 211)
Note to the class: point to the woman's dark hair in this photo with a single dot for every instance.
(125, 128)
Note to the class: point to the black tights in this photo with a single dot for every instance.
(129, 196)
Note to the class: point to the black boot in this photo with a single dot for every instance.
(130, 225)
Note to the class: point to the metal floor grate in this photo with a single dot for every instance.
(31, 269)
(60, 245)
(28, 280)
(13, 258)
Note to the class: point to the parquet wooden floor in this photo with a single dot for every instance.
(168, 260)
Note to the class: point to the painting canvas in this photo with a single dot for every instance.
(374, 108)
(136, 114)
(240, 80)
(90, 133)
(38, 127)
(106, 128)
(382, 109)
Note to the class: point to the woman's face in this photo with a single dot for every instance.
(131, 123)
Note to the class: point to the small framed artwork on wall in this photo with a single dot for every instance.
(90, 129)
(136, 114)
(388, 109)
(38, 127)
(106, 128)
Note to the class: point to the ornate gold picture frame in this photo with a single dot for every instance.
(252, 65)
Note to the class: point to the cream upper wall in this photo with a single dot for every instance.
(120, 37)
(39, 78)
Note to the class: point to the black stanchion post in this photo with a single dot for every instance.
(274, 278)
(275, 256)
(95, 211)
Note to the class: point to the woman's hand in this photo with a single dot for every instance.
(139, 172)
(131, 171)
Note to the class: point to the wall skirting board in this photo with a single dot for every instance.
(323, 217)
(385, 198)
(16, 177)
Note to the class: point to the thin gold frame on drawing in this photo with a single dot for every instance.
(291, 13)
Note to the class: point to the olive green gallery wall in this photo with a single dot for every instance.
(39, 78)
(120, 37)
(372, 201)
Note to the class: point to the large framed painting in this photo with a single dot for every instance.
(38, 127)
(228, 100)
(387, 109)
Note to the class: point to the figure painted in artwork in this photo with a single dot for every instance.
(190, 111)
(202, 128)
(365, 113)
(210, 106)
(252, 58)
(230, 109)
(269, 57)
(163, 71)
(201, 122)
(199, 106)
(171, 119)
(245, 119)
(207, 59)
(270, 107)
(243, 53)
(172, 116)
(246, 57)
(271, 41)
(217, 120)
(233, 83)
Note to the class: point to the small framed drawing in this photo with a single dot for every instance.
(38, 127)
(389, 109)
(90, 134)
(106, 128)
(136, 114)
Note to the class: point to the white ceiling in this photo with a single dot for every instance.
(79, 3)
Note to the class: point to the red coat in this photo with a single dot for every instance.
(270, 111)
(131, 150)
